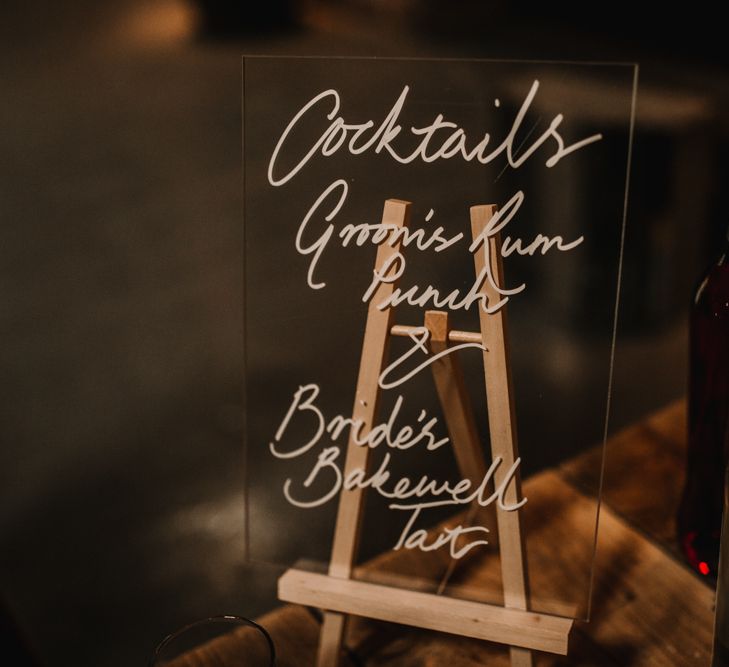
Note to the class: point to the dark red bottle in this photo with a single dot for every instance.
(699, 515)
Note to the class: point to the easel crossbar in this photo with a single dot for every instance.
(453, 336)
(494, 623)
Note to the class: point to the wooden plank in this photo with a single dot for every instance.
(425, 610)
(374, 350)
(648, 609)
(648, 455)
(502, 422)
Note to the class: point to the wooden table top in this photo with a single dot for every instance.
(648, 607)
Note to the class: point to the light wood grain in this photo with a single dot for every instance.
(331, 637)
(454, 335)
(425, 610)
(374, 351)
(458, 414)
(455, 401)
(502, 422)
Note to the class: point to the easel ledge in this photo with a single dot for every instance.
(514, 627)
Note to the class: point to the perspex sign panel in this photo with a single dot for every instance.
(327, 142)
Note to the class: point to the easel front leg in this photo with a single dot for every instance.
(521, 657)
(331, 639)
(374, 350)
(502, 419)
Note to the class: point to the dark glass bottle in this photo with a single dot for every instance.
(699, 515)
(720, 657)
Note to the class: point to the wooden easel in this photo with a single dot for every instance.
(337, 593)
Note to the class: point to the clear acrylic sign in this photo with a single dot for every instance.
(331, 144)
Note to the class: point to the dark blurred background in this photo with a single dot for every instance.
(121, 482)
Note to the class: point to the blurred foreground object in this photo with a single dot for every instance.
(720, 657)
(208, 642)
(699, 516)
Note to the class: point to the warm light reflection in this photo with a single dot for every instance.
(209, 541)
(160, 22)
